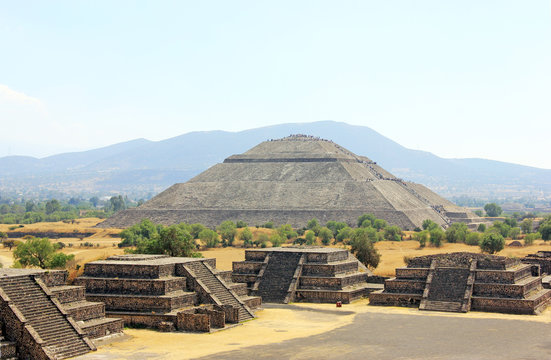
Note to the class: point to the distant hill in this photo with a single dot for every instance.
(142, 167)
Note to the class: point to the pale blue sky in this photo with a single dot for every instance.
(456, 78)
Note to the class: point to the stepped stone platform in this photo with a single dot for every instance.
(541, 258)
(290, 181)
(310, 274)
(167, 293)
(460, 282)
(36, 323)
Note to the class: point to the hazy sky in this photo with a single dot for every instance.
(456, 78)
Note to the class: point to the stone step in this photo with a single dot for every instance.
(67, 293)
(85, 310)
(448, 306)
(96, 328)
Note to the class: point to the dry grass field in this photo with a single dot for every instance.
(105, 244)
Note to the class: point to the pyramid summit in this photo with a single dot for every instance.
(290, 181)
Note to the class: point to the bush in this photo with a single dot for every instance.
(473, 239)
(393, 233)
(227, 231)
(457, 233)
(276, 240)
(529, 238)
(365, 217)
(313, 224)
(325, 235)
(269, 225)
(545, 231)
(422, 237)
(344, 233)
(481, 228)
(335, 226)
(407, 259)
(492, 242)
(379, 224)
(240, 224)
(310, 237)
(262, 240)
(209, 238)
(286, 231)
(437, 235)
(429, 225)
(247, 237)
(364, 250)
(514, 233)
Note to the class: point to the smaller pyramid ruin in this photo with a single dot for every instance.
(460, 282)
(167, 293)
(309, 274)
(43, 318)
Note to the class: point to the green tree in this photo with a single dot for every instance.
(312, 224)
(526, 225)
(481, 228)
(240, 224)
(492, 209)
(195, 230)
(227, 231)
(310, 237)
(325, 235)
(362, 247)
(365, 217)
(429, 225)
(422, 237)
(479, 213)
(117, 203)
(276, 240)
(210, 238)
(473, 239)
(262, 240)
(175, 241)
(247, 237)
(457, 233)
(379, 224)
(145, 230)
(52, 206)
(286, 231)
(437, 236)
(545, 231)
(344, 233)
(512, 222)
(335, 226)
(30, 206)
(39, 252)
(501, 228)
(529, 238)
(393, 233)
(492, 242)
(514, 233)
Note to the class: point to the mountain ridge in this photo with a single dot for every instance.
(153, 165)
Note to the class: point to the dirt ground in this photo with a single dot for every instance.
(281, 330)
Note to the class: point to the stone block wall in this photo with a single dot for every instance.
(122, 270)
(132, 286)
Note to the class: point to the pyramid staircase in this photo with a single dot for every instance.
(219, 291)
(274, 285)
(448, 288)
(54, 331)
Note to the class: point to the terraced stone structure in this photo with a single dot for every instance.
(459, 282)
(43, 318)
(317, 274)
(290, 181)
(168, 293)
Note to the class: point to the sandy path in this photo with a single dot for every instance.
(275, 324)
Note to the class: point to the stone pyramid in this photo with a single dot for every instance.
(290, 181)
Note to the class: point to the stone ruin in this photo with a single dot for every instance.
(290, 181)
(43, 318)
(310, 274)
(167, 293)
(460, 282)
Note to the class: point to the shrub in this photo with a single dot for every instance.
(422, 237)
(437, 235)
(344, 233)
(240, 224)
(325, 235)
(247, 237)
(407, 259)
(310, 237)
(335, 226)
(457, 233)
(473, 239)
(209, 238)
(429, 225)
(492, 242)
(269, 225)
(365, 217)
(227, 231)
(393, 233)
(379, 224)
(545, 231)
(514, 233)
(481, 228)
(276, 240)
(262, 240)
(366, 253)
(286, 231)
